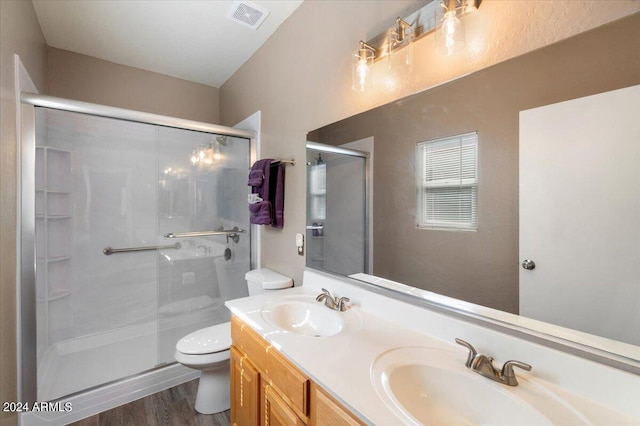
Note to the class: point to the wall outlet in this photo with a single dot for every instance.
(300, 243)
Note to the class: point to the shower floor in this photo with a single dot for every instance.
(84, 363)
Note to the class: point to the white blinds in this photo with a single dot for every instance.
(447, 180)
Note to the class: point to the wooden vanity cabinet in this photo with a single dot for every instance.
(245, 390)
(268, 390)
(325, 410)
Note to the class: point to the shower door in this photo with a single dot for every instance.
(202, 188)
(113, 294)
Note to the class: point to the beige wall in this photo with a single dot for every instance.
(301, 79)
(480, 267)
(19, 33)
(85, 78)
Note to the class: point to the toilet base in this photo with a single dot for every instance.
(213, 389)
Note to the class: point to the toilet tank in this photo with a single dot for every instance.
(264, 279)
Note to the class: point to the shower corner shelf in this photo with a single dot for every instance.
(54, 221)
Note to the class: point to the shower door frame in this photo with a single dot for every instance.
(321, 147)
(26, 278)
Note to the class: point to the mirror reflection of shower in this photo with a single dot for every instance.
(337, 215)
(207, 155)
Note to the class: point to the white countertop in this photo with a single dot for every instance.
(342, 363)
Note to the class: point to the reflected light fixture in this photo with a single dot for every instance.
(208, 154)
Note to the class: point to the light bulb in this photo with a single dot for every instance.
(362, 59)
(449, 26)
(363, 71)
(217, 156)
(451, 34)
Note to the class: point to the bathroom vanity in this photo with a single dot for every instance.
(384, 361)
(266, 388)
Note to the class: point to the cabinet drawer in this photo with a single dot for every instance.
(277, 412)
(249, 342)
(289, 381)
(325, 410)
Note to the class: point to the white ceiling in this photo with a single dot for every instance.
(189, 39)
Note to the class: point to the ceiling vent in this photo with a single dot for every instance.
(248, 14)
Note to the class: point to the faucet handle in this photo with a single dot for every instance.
(472, 351)
(341, 305)
(508, 374)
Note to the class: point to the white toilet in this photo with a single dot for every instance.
(208, 349)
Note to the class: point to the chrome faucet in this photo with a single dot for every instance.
(483, 365)
(335, 303)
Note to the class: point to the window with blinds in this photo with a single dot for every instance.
(447, 182)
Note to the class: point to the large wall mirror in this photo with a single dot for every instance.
(594, 210)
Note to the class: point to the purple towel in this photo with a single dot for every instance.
(269, 185)
(260, 213)
(260, 168)
(256, 178)
(278, 204)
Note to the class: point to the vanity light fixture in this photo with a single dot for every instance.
(395, 44)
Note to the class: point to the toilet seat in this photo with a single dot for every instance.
(205, 341)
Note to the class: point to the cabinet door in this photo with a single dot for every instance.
(245, 391)
(326, 411)
(277, 412)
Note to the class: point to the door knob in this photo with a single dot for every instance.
(528, 264)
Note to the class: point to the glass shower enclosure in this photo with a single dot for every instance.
(141, 235)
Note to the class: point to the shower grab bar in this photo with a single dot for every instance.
(230, 233)
(110, 250)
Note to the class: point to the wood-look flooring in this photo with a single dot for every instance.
(174, 406)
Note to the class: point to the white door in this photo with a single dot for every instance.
(580, 214)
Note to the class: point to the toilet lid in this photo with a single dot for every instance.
(206, 340)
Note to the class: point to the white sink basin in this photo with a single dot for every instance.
(305, 316)
(432, 387)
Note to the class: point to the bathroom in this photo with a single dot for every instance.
(281, 80)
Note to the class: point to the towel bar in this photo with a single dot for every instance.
(231, 233)
(110, 250)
